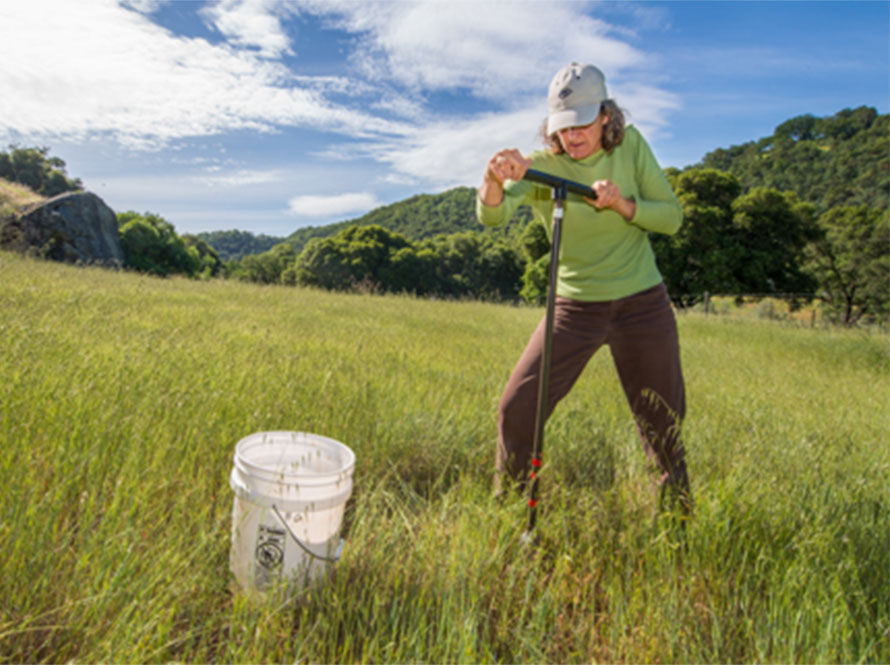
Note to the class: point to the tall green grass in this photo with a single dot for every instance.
(122, 398)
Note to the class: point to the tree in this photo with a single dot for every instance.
(367, 250)
(150, 244)
(34, 168)
(357, 255)
(536, 276)
(771, 230)
(321, 263)
(800, 128)
(500, 271)
(410, 271)
(269, 267)
(536, 281)
(852, 264)
(238, 244)
(734, 244)
(476, 265)
(210, 263)
(142, 246)
(701, 256)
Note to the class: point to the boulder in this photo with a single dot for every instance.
(75, 227)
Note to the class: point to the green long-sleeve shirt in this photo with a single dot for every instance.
(602, 256)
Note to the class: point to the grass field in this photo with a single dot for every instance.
(122, 398)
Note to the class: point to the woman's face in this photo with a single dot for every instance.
(581, 142)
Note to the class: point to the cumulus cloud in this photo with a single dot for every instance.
(115, 72)
(252, 23)
(334, 205)
(471, 48)
(447, 153)
(112, 71)
(491, 49)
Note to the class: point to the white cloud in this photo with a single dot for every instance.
(401, 105)
(252, 23)
(647, 106)
(330, 206)
(112, 71)
(493, 49)
(502, 53)
(241, 178)
(143, 6)
(426, 91)
(452, 152)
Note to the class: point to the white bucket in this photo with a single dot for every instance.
(290, 492)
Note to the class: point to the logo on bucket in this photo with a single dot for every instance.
(270, 547)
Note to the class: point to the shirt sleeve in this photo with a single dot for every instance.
(515, 193)
(657, 207)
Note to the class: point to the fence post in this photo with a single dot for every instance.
(707, 301)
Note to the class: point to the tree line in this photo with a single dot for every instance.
(762, 241)
(804, 211)
(766, 241)
(374, 259)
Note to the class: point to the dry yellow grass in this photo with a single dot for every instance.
(14, 197)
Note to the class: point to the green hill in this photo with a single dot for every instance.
(238, 244)
(418, 217)
(842, 159)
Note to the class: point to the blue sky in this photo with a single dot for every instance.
(269, 115)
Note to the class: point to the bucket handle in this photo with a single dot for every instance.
(303, 547)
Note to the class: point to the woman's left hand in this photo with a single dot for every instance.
(608, 196)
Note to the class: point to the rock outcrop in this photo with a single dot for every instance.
(75, 227)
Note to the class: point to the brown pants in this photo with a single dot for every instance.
(642, 334)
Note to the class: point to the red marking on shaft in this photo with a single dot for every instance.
(532, 503)
(536, 462)
(533, 474)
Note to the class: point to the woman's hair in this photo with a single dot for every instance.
(613, 131)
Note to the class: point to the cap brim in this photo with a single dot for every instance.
(572, 118)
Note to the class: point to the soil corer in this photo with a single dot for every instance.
(560, 188)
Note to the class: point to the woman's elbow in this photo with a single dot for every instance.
(674, 218)
(674, 224)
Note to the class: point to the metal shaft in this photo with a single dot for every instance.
(559, 196)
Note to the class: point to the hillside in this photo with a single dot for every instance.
(15, 197)
(418, 217)
(236, 245)
(842, 159)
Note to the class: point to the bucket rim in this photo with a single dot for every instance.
(347, 457)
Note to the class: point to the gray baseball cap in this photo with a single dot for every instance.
(576, 93)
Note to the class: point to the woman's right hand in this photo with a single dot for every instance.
(503, 165)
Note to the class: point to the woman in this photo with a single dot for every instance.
(609, 290)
